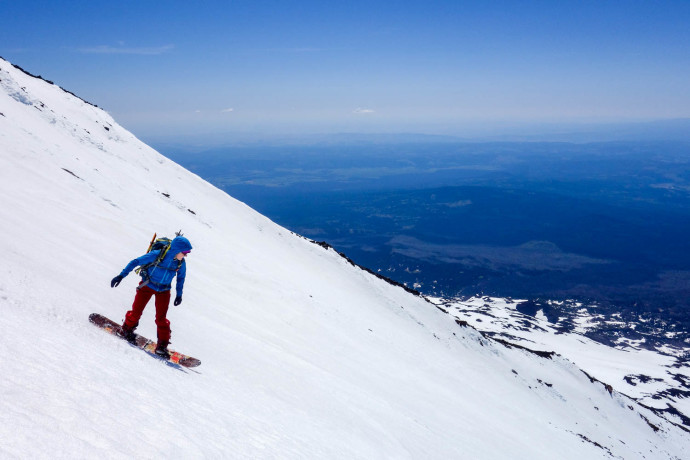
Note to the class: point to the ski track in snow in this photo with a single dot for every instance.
(303, 355)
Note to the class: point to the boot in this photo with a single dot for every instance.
(128, 334)
(162, 349)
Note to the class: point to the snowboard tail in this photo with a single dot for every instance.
(149, 346)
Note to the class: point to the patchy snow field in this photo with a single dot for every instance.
(658, 379)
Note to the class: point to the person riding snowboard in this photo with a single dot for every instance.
(156, 280)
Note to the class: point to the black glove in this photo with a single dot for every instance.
(116, 281)
(178, 300)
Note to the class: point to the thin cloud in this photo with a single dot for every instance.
(295, 49)
(227, 110)
(142, 51)
(363, 111)
(305, 49)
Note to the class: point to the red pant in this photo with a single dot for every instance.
(140, 300)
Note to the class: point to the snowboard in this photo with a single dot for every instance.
(142, 342)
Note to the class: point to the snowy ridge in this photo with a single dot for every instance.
(658, 378)
(304, 355)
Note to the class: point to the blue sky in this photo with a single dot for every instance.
(188, 68)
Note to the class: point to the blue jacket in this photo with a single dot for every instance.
(161, 276)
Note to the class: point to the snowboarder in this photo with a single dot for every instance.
(156, 280)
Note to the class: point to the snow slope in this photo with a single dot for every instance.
(303, 355)
(659, 379)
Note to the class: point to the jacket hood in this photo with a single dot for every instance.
(179, 244)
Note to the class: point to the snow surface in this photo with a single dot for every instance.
(303, 355)
(655, 379)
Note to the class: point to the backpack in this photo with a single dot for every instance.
(156, 244)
